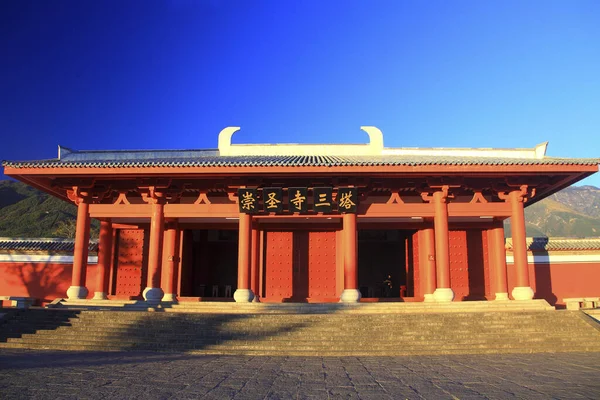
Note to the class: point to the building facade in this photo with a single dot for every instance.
(303, 223)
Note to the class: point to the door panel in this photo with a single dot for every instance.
(300, 265)
(321, 265)
(130, 263)
(278, 264)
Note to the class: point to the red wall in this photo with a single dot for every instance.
(556, 281)
(43, 281)
(48, 281)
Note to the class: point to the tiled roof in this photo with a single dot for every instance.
(538, 244)
(47, 245)
(211, 158)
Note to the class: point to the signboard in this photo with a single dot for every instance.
(272, 200)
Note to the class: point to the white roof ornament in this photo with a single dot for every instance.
(375, 138)
(540, 150)
(63, 151)
(225, 139)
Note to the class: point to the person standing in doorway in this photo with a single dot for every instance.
(388, 286)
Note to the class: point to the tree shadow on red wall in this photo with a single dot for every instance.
(40, 280)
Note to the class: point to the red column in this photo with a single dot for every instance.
(498, 253)
(351, 293)
(171, 261)
(254, 262)
(80, 253)
(104, 258)
(243, 293)
(153, 292)
(522, 290)
(428, 263)
(442, 255)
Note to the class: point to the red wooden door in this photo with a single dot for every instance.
(469, 271)
(278, 265)
(300, 266)
(321, 266)
(129, 263)
(459, 274)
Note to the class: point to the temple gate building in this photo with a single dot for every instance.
(302, 223)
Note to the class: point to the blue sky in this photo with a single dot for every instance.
(172, 74)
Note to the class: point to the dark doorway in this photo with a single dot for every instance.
(382, 263)
(209, 264)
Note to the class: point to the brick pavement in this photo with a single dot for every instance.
(85, 375)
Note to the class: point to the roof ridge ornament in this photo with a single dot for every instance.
(63, 151)
(375, 137)
(374, 147)
(540, 150)
(225, 138)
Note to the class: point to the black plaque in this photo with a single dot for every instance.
(248, 201)
(298, 199)
(322, 200)
(272, 200)
(347, 200)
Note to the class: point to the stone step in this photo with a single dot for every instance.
(387, 322)
(301, 332)
(312, 352)
(344, 334)
(316, 335)
(323, 343)
(385, 307)
(459, 319)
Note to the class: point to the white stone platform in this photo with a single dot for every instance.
(304, 308)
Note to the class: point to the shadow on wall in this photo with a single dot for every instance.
(41, 280)
(542, 279)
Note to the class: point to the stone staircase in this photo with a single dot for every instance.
(325, 331)
(303, 308)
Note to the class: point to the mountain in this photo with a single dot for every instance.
(27, 212)
(572, 212)
(583, 199)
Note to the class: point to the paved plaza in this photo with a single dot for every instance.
(87, 375)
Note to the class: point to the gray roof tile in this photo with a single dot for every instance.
(211, 158)
(49, 245)
(540, 244)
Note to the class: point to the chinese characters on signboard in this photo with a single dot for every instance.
(248, 201)
(273, 200)
(297, 200)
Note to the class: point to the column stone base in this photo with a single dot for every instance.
(100, 296)
(522, 293)
(243, 296)
(443, 295)
(428, 298)
(170, 297)
(77, 292)
(350, 296)
(153, 294)
(502, 297)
